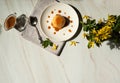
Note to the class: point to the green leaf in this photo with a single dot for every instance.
(47, 42)
(117, 25)
(89, 45)
(85, 28)
(51, 44)
(88, 21)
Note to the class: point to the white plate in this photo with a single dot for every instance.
(64, 10)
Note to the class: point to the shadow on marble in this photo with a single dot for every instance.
(113, 45)
(80, 25)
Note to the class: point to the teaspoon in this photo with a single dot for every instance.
(33, 22)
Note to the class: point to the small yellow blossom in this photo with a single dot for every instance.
(91, 44)
(54, 47)
(86, 17)
(84, 35)
(73, 43)
(109, 23)
(94, 31)
(104, 32)
(97, 40)
(99, 21)
(111, 18)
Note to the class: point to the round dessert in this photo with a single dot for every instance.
(58, 22)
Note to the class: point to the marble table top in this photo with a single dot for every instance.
(24, 62)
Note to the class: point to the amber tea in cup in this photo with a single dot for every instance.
(10, 22)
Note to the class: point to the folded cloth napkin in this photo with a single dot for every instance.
(30, 33)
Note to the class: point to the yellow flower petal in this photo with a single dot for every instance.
(54, 47)
(92, 44)
(73, 43)
(94, 31)
(84, 35)
(86, 17)
(97, 40)
(100, 21)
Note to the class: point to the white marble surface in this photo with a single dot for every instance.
(24, 62)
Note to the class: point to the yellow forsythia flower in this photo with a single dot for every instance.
(97, 40)
(111, 18)
(84, 35)
(91, 44)
(86, 17)
(99, 21)
(73, 43)
(54, 47)
(104, 32)
(94, 31)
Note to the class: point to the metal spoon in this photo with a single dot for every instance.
(57, 0)
(33, 22)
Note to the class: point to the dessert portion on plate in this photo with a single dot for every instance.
(58, 22)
